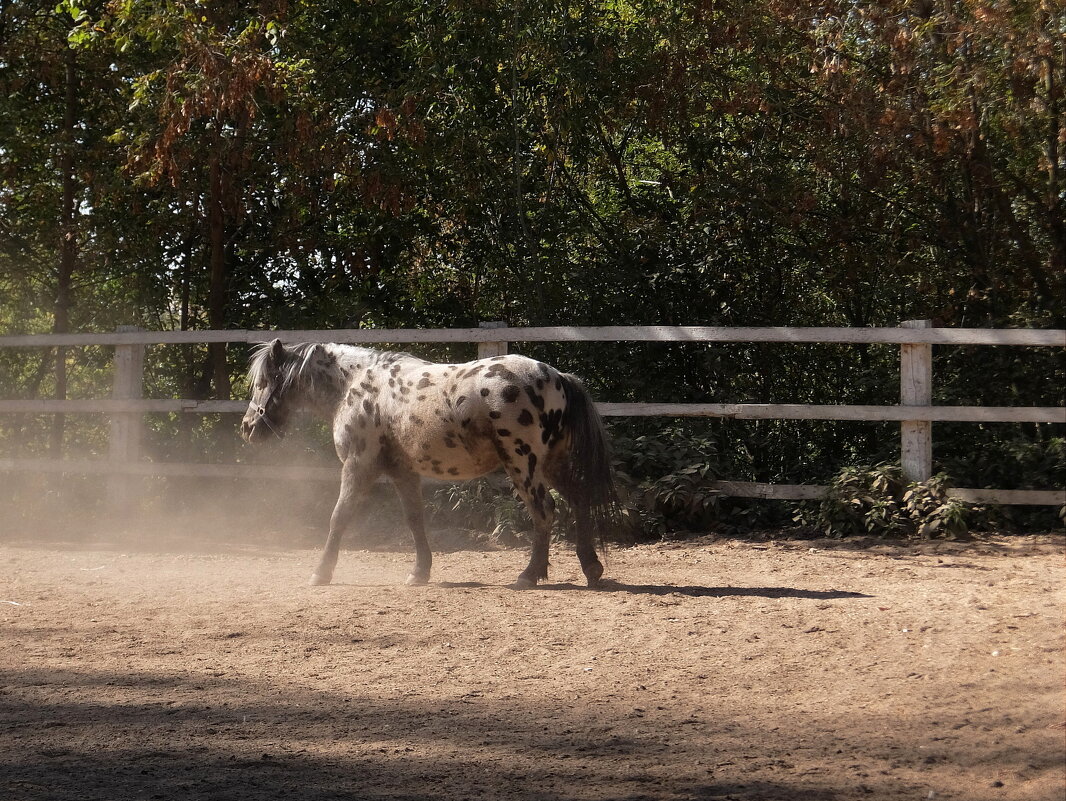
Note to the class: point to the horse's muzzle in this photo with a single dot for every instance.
(258, 429)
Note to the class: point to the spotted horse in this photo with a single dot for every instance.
(397, 414)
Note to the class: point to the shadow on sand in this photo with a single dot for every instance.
(689, 591)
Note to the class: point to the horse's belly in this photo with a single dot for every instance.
(444, 453)
(457, 464)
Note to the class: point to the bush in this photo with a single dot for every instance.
(877, 500)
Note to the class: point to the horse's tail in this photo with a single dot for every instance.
(586, 480)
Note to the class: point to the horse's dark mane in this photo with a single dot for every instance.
(290, 372)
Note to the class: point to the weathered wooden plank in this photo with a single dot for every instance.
(1011, 497)
(170, 469)
(644, 333)
(486, 350)
(785, 492)
(800, 411)
(802, 492)
(113, 406)
(740, 411)
(916, 389)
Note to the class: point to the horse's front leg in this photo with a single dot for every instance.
(356, 481)
(409, 488)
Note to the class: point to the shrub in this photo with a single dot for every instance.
(878, 500)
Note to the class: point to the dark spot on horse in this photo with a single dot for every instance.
(550, 425)
(522, 449)
(360, 445)
(484, 393)
(544, 369)
(449, 442)
(395, 370)
(499, 371)
(525, 418)
(465, 422)
(535, 399)
(558, 383)
(460, 400)
(503, 432)
(426, 446)
(510, 393)
(348, 427)
(425, 382)
(345, 372)
(505, 457)
(392, 382)
(421, 398)
(416, 420)
(540, 383)
(368, 406)
(453, 471)
(532, 463)
(494, 415)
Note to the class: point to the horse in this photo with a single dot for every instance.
(399, 415)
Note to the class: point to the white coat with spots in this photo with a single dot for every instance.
(397, 414)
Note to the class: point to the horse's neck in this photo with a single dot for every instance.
(341, 365)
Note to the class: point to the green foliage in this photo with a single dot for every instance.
(668, 478)
(876, 500)
(324, 165)
(483, 505)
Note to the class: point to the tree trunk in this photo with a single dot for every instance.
(68, 244)
(216, 298)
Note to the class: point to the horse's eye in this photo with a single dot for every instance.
(261, 411)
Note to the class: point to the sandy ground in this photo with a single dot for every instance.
(712, 669)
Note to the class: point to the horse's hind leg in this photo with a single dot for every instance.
(542, 509)
(409, 487)
(356, 481)
(586, 549)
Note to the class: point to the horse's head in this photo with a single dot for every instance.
(270, 377)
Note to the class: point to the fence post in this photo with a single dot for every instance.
(126, 427)
(916, 389)
(486, 350)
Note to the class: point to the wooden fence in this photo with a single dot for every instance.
(915, 412)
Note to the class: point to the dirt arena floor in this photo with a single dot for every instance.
(713, 669)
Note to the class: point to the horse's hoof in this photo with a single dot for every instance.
(319, 580)
(417, 579)
(523, 583)
(593, 575)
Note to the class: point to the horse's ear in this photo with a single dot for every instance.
(277, 353)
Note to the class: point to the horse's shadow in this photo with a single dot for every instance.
(608, 585)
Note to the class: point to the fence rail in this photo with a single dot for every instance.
(738, 411)
(624, 333)
(915, 413)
